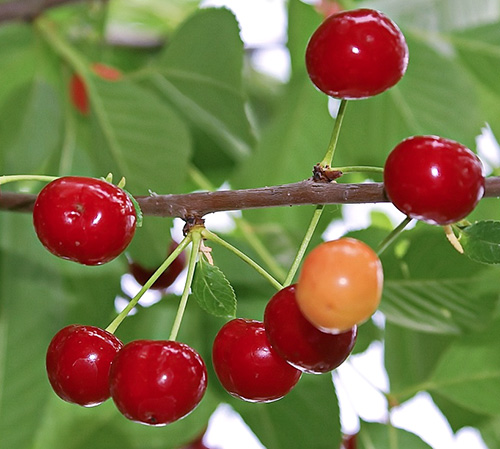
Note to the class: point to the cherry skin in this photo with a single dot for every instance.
(78, 94)
(349, 442)
(85, 220)
(78, 362)
(300, 343)
(356, 54)
(246, 364)
(167, 278)
(157, 382)
(339, 285)
(433, 179)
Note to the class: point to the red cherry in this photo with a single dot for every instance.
(78, 94)
(433, 179)
(167, 278)
(157, 382)
(299, 342)
(106, 72)
(356, 54)
(78, 363)
(246, 364)
(349, 442)
(86, 220)
(78, 90)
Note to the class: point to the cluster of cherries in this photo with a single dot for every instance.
(309, 326)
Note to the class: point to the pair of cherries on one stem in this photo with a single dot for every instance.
(153, 382)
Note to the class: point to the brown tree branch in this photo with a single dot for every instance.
(27, 10)
(196, 205)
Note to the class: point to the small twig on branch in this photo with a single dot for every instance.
(201, 203)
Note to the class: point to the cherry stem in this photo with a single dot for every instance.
(360, 169)
(247, 229)
(303, 246)
(133, 302)
(15, 178)
(328, 158)
(215, 238)
(326, 162)
(393, 236)
(196, 238)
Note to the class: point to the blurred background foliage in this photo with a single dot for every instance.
(192, 110)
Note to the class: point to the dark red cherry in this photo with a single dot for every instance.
(78, 362)
(299, 342)
(85, 220)
(167, 278)
(157, 382)
(78, 94)
(433, 179)
(356, 54)
(246, 364)
(349, 442)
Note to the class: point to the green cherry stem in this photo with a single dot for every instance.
(393, 235)
(360, 169)
(196, 239)
(303, 246)
(14, 178)
(133, 302)
(215, 238)
(246, 228)
(327, 160)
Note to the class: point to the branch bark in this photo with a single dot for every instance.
(196, 205)
(27, 10)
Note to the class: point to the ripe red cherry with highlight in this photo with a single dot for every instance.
(85, 220)
(246, 364)
(300, 343)
(78, 362)
(167, 278)
(157, 382)
(356, 54)
(433, 179)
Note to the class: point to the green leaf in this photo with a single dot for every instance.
(479, 50)
(18, 56)
(481, 241)
(433, 288)
(380, 436)
(307, 417)
(201, 74)
(213, 291)
(139, 137)
(31, 127)
(411, 357)
(469, 372)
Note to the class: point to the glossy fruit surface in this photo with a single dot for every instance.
(157, 382)
(300, 343)
(433, 179)
(167, 278)
(339, 285)
(86, 220)
(356, 54)
(246, 364)
(78, 362)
